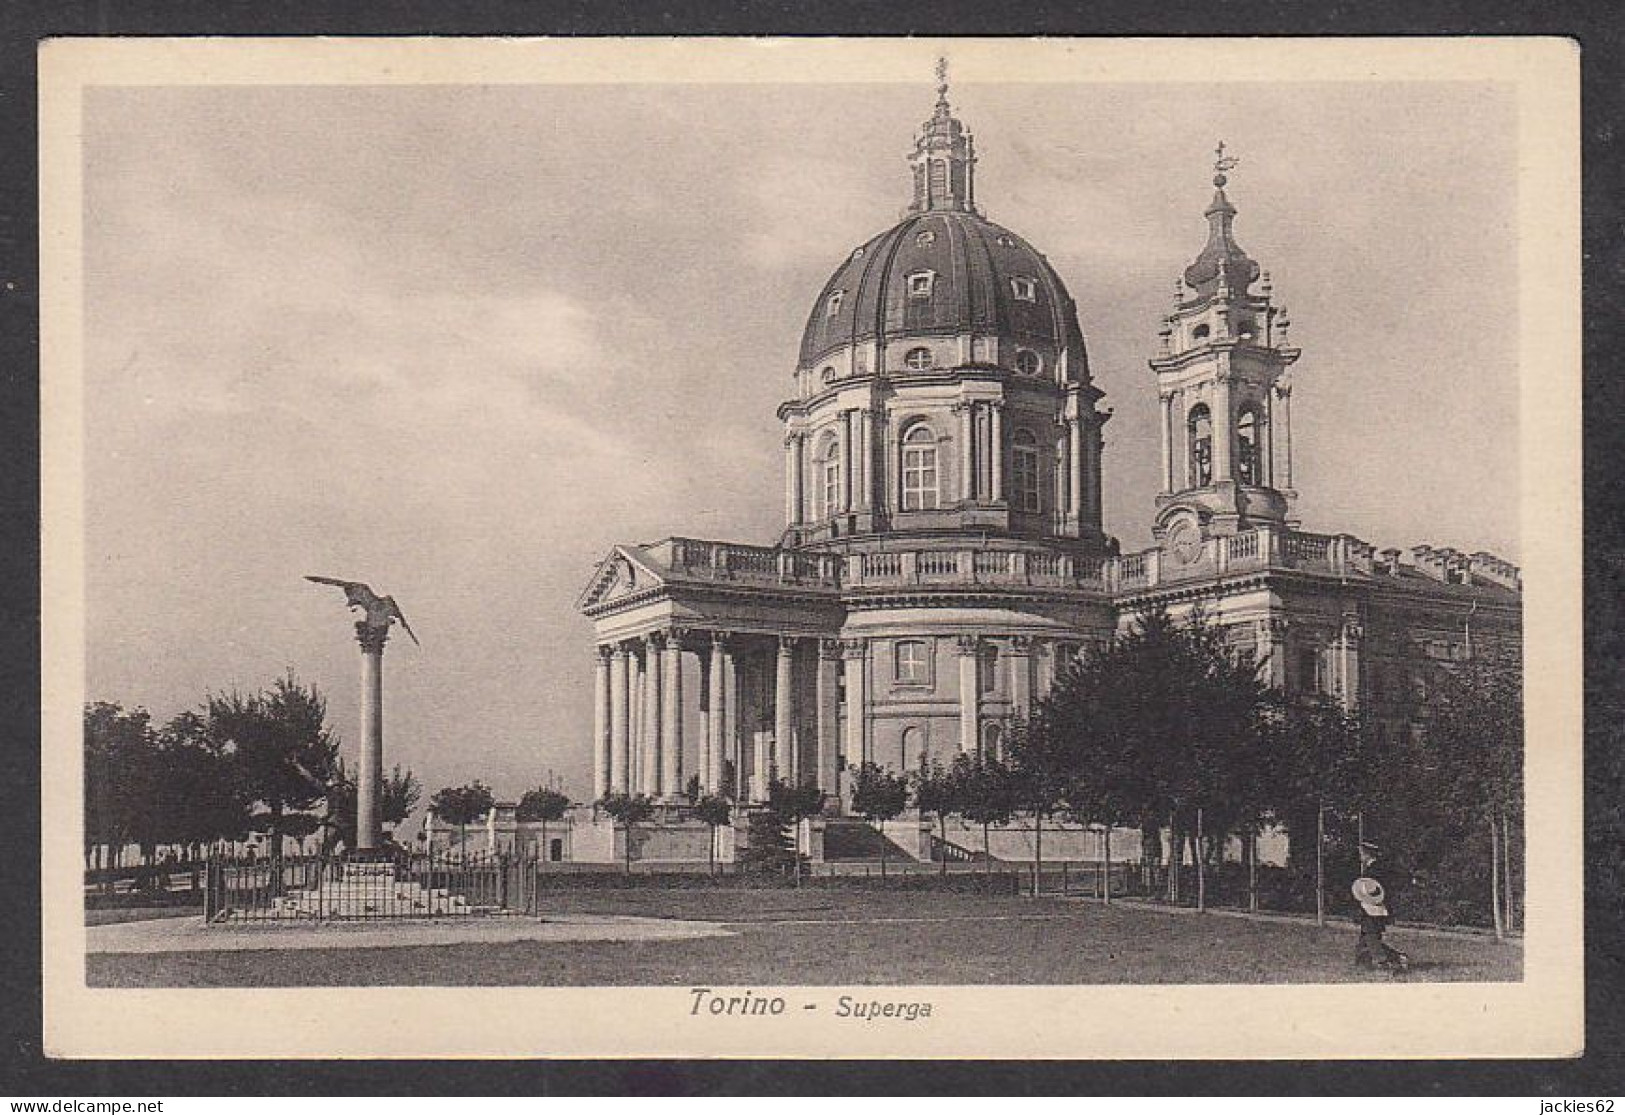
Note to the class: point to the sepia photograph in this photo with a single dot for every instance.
(730, 547)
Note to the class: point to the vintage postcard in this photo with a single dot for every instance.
(811, 548)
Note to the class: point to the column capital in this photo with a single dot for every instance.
(1353, 629)
(1021, 644)
(969, 645)
(854, 648)
(720, 639)
(656, 640)
(787, 644)
(829, 649)
(603, 652)
(961, 406)
(677, 636)
(372, 639)
(1274, 627)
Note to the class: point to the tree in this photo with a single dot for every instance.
(692, 790)
(790, 804)
(117, 743)
(462, 806)
(543, 804)
(1040, 765)
(400, 792)
(987, 792)
(630, 810)
(716, 811)
(283, 752)
(938, 791)
(879, 795)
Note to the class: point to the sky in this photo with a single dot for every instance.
(457, 341)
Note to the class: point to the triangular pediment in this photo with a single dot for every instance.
(625, 572)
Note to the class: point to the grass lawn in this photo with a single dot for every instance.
(846, 937)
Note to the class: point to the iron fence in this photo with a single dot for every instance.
(339, 888)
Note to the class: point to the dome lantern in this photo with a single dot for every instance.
(944, 158)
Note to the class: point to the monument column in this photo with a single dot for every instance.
(714, 726)
(620, 745)
(653, 648)
(783, 761)
(671, 715)
(369, 814)
(600, 723)
(969, 728)
(857, 700)
(829, 715)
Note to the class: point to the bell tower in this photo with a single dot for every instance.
(1223, 381)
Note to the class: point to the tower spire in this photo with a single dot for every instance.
(944, 157)
(1221, 253)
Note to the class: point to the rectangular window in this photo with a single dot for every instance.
(1024, 289)
(919, 284)
(913, 667)
(1024, 476)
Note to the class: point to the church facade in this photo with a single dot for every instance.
(944, 555)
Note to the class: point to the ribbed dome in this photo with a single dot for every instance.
(982, 279)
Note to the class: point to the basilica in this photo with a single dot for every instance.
(943, 554)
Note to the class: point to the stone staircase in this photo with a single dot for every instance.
(848, 841)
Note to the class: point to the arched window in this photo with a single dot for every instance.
(913, 746)
(912, 665)
(1200, 428)
(920, 470)
(829, 471)
(1249, 460)
(1024, 471)
(918, 358)
(992, 737)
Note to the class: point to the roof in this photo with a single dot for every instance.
(972, 263)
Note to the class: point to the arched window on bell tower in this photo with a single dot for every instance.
(1249, 458)
(1200, 438)
(920, 469)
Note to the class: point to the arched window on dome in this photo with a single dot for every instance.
(1249, 458)
(920, 469)
(1199, 428)
(1024, 471)
(829, 476)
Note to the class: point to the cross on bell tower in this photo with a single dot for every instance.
(1225, 391)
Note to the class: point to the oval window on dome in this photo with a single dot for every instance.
(918, 358)
(926, 238)
(1006, 242)
(1200, 333)
(1028, 362)
(828, 375)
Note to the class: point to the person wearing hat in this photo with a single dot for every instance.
(1374, 915)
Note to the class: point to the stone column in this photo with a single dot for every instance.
(369, 773)
(715, 723)
(996, 450)
(671, 715)
(1092, 459)
(790, 483)
(866, 457)
(1267, 452)
(1167, 441)
(1271, 651)
(1075, 469)
(855, 651)
(634, 718)
(600, 723)
(1348, 662)
(969, 706)
(1047, 652)
(844, 426)
(967, 453)
(1223, 429)
(783, 746)
(654, 647)
(1021, 675)
(1284, 390)
(620, 724)
(733, 719)
(829, 715)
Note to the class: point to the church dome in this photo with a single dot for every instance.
(943, 272)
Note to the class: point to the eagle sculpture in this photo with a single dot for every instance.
(381, 610)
